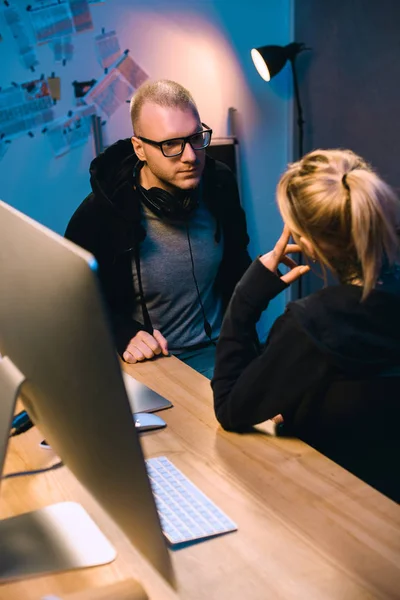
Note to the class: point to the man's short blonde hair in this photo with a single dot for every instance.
(163, 92)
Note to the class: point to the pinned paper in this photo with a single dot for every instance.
(25, 107)
(132, 72)
(54, 87)
(81, 15)
(71, 131)
(54, 19)
(63, 49)
(107, 47)
(51, 20)
(116, 86)
(19, 32)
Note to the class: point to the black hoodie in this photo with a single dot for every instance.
(330, 367)
(328, 335)
(108, 224)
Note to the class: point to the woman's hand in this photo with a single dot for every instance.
(278, 256)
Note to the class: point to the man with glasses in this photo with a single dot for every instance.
(165, 224)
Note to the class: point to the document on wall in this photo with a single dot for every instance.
(19, 32)
(107, 48)
(71, 131)
(81, 15)
(53, 19)
(25, 107)
(116, 86)
(132, 72)
(63, 49)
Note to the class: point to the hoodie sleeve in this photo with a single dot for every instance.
(236, 258)
(251, 386)
(85, 231)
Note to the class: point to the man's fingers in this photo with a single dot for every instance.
(145, 346)
(138, 352)
(144, 349)
(295, 273)
(142, 346)
(128, 357)
(161, 341)
(148, 339)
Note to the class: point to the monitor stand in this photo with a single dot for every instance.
(59, 537)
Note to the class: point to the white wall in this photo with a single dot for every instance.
(203, 44)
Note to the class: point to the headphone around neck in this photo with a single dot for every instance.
(164, 204)
(177, 207)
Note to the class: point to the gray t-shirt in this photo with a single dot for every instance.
(168, 284)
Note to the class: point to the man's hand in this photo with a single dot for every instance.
(278, 255)
(144, 345)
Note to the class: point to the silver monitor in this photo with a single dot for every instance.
(55, 338)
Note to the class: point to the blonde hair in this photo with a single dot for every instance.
(163, 92)
(335, 200)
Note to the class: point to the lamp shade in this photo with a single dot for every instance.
(269, 60)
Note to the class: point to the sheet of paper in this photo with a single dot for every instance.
(63, 49)
(71, 131)
(51, 20)
(19, 32)
(107, 48)
(81, 15)
(25, 107)
(54, 87)
(116, 86)
(132, 72)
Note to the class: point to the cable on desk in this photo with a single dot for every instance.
(56, 465)
(20, 423)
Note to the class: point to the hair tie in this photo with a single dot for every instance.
(344, 181)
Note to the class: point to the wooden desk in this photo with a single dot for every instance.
(307, 528)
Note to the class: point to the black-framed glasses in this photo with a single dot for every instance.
(175, 146)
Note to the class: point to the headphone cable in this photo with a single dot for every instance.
(207, 326)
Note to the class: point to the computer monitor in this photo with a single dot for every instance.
(55, 335)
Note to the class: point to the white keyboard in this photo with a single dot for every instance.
(186, 514)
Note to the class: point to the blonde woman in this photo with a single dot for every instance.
(312, 371)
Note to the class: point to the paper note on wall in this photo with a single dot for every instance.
(63, 49)
(107, 48)
(71, 131)
(132, 72)
(51, 20)
(81, 15)
(19, 32)
(54, 87)
(25, 107)
(116, 86)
